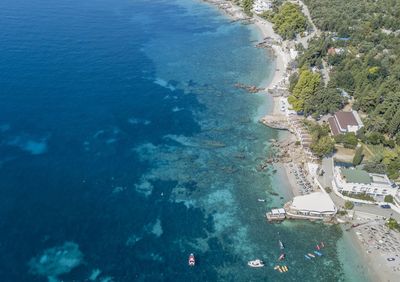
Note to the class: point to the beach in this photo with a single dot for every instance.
(373, 262)
(127, 147)
(376, 245)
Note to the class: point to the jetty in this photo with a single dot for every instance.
(249, 88)
(276, 122)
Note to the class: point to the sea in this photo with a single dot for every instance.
(125, 146)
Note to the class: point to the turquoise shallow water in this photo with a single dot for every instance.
(124, 147)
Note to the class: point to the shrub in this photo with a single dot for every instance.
(358, 156)
(362, 196)
(392, 224)
(348, 205)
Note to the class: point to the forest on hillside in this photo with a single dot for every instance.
(365, 63)
(360, 45)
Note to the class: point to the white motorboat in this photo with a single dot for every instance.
(256, 263)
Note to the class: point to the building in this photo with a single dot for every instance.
(335, 51)
(276, 215)
(316, 205)
(343, 122)
(357, 181)
(260, 6)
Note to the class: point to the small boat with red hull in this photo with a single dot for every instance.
(192, 260)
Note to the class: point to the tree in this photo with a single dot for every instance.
(388, 199)
(324, 101)
(348, 205)
(305, 88)
(369, 69)
(293, 79)
(392, 224)
(344, 80)
(349, 140)
(288, 20)
(394, 124)
(358, 156)
(248, 6)
(323, 146)
(375, 138)
(375, 167)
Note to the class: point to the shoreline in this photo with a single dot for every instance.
(281, 58)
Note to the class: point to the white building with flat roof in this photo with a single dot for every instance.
(357, 181)
(317, 205)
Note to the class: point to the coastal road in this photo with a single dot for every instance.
(315, 30)
(327, 166)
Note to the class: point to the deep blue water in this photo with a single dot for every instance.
(124, 147)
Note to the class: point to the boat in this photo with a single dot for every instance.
(280, 269)
(322, 244)
(191, 260)
(311, 255)
(318, 253)
(256, 263)
(307, 257)
(281, 257)
(276, 267)
(284, 268)
(318, 247)
(281, 245)
(261, 200)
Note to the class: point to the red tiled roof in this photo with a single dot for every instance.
(334, 128)
(345, 119)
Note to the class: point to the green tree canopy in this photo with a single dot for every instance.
(306, 87)
(288, 20)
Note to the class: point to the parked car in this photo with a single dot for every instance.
(385, 206)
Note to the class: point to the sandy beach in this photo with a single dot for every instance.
(376, 244)
(281, 57)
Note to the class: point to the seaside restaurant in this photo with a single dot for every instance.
(316, 205)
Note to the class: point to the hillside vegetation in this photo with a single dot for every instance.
(368, 67)
(288, 20)
(360, 45)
